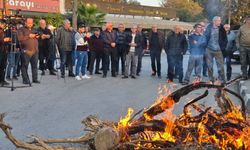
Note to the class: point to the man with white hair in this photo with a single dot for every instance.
(216, 44)
(64, 42)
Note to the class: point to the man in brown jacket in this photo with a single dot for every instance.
(243, 42)
(27, 37)
(156, 42)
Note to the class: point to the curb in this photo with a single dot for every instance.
(246, 96)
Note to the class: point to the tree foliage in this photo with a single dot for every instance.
(187, 10)
(90, 15)
(241, 10)
(55, 19)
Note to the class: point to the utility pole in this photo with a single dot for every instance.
(229, 11)
(74, 17)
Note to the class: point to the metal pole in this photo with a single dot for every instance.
(74, 17)
(229, 11)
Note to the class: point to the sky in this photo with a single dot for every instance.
(150, 2)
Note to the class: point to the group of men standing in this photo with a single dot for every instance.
(83, 49)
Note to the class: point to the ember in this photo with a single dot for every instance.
(199, 127)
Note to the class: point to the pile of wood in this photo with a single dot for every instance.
(208, 129)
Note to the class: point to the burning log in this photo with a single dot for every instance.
(219, 130)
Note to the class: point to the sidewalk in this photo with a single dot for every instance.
(244, 88)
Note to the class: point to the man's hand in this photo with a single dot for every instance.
(113, 45)
(7, 39)
(133, 44)
(45, 36)
(32, 35)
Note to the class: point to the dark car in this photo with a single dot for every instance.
(236, 54)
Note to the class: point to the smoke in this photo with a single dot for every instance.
(216, 8)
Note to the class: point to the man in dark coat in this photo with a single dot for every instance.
(156, 42)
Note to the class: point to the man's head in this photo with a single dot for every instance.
(217, 21)
(203, 26)
(109, 26)
(227, 27)
(177, 29)
(139, 28)
(81, 28)
(2, 24)
(198, 28)
(104, 27)
(154, 28)
(97, 32)
(29, 23)
(66, 24)
(42, 24)
(134, 29)
(248, 20)
(121, 27)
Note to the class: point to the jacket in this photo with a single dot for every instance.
(27, 44)
(137, 41)
(109, 37)
(197, 44)
(96, 43)
(161, 39)
(176, 44)
(243, 38)
(222, 36)
(64, 39)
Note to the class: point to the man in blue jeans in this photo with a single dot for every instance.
(197, 43)
(216, 44)
(81, 53)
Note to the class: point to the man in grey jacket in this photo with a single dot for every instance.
(64, 40)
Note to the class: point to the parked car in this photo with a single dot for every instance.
(236, 54)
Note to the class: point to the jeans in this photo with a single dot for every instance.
(66, 58)
(13, 62)
(194, 62)
(82, 60)
(217, 55)
(25, 60)
(229, 67)
(175, 67)
(131, 63)
(156, 56)
(244, 59)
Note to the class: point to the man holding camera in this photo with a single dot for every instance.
(3, 53)
(43, 46)
(27, 37)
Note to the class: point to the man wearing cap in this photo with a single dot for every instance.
(3, 53)
(243, 42)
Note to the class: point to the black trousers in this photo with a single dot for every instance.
(139, 64)
(3, 63)
(95, 58)
(25, 60)
(156, 57)
(175, 67)
(112, 53)
(43, 58)
(121, 55)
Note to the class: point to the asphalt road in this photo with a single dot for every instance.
(54, 109)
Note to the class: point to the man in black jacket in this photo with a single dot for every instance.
(110, 49)
(43, 46)
(121, 47)
(156, 42)
(216, 44)
(3, 53)
(175, 47)
(142, 47)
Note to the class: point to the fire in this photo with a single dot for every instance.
(125, 121)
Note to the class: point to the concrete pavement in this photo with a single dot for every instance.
(54, 108)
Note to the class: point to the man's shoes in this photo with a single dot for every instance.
(62, 76)
(4, 83)
(43, 73)
(98, 73)
(170, 81)
(205, 75)
(184, 83)
(244, 78)
(71, 75)
(36, 81)
(91, 73)
(153, 74)
(85, 77)
(8, 78)
(15, 78)
(159, 76)
(54, 70)
(104, 76)
(138, 74)
(180, 81)
(78, 78)
(124, 77)
(51, 72)
(133, 77)
(26, 82)
(114, 75)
